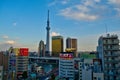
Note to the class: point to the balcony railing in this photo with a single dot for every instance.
(111, 42)
(114, 48)
(112, 61)
(112, 55)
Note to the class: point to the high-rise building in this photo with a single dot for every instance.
(57, 45)
(21, 60)
(66, 66)
(109, 53)
(48, 37)
(41, 49)
(18, 62)
(71, 43)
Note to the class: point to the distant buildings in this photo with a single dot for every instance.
(57, 45)
(71, 43)
(66, 66)
(41, 49)
(109, 52)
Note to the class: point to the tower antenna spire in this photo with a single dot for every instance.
(48, 15)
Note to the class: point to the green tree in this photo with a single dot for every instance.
(25, 75)
(52, 77)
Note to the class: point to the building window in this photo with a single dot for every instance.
(95, 78)
(99, 78)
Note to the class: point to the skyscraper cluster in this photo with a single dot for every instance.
(57, 44)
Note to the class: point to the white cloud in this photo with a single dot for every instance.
(54, 2)
(5, 37)
(118, 10)
(55, 34)
(78, 14)
(97, 0)
(64, 1)
(88, 10)
(88, 3)
(117, 2)
(10, 42)
(82, 8)
(14, 24)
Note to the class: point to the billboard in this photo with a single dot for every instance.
(66, 55)
(23, 52)
(16, 51)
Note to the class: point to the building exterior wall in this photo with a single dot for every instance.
(86, 74)
(72, 43)
(98, 76)
(4, 62)
(41, 49)
(57, 45)
(1, 72)
(66, 66)
(85, 69)
(80, 70)
(22, 61)
(109, 53)
(18, 62)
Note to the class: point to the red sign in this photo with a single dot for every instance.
(23, 52)
(66, 56)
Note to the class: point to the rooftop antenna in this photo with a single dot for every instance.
(106, 28)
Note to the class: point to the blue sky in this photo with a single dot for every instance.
(23, 22)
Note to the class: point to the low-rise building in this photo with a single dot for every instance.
(98, 76)
(85, 69)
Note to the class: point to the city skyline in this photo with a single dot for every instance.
(23, 22)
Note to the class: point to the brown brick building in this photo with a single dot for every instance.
(4, 62)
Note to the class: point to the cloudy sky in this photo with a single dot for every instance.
(23, 22)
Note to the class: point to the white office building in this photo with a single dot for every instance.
(98, 76)
(85, 71)
(66, 66)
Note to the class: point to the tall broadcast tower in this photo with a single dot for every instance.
(48, 37)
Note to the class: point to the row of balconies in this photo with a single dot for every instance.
(67, 68)
(25, 59)
(110, 73)
(112, 48)
(112, 54)
(67, 61)
(112, 67)
(64, 74)
(112, 61)
(25, 62)
(112, 78)
(111, 41)
(66, 64)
